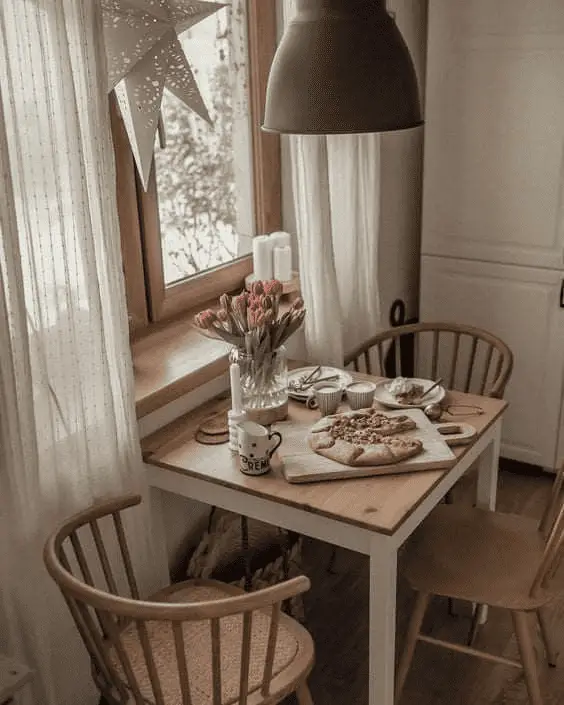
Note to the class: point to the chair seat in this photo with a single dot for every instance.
(293, 642)
(476, 555)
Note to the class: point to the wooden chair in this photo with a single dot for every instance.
(198, 642)
(468, 359)
(489, 558)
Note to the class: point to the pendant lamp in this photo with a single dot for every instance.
(342, 66)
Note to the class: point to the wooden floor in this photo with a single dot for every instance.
(337, 616)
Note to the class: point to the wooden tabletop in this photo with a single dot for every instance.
(377, 503)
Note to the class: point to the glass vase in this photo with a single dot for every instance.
(264, 384)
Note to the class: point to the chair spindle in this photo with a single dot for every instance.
(487, 364)
(454, 361)
(397, 356)
(245, 658)
(367, 362)
(123, 547)
(103, 556)
(471, 364)
(180, 650)
(381, 360)
(150, 662)
(113, 633)
(435, 358)
(81, 559)
(271, 648)
(216, 659)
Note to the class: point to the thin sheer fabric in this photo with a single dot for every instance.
(336, 191)
(67, 421)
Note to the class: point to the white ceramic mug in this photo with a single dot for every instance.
(256, 447)
(325, 396)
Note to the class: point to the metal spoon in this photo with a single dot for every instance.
(433, 386)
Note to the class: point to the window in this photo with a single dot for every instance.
(212, 188)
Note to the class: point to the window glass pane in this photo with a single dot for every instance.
(204, 173)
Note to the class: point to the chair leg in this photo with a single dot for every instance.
(551, 653)
(526, 648)
(332, 558)
(413, 631)
(303, 695)
(475, 626)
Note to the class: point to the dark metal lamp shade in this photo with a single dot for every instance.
(342, 66)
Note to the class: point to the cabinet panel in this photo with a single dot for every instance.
(494, 135)
(521, 306)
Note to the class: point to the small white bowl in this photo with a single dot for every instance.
(326, 396)
(360, 394)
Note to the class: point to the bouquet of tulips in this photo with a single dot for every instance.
(251, 322)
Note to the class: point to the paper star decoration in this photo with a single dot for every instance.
(144, 56)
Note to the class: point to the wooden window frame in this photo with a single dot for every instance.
(149, 299)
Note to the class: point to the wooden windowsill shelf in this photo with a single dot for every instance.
(173, 360)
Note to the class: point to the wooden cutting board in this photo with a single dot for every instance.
(301, 464)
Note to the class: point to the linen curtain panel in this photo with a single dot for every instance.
(67, 421)
(336, 192)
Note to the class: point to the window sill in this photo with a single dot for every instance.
(171, 361)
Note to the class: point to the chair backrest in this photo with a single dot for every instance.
(552, 527)
(468, 359)
(102, 615)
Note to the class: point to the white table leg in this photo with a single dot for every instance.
(486, 491)
(382, 636)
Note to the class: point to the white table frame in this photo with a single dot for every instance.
(381, 548)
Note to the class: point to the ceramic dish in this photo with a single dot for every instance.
(342, 378)
(383, 396)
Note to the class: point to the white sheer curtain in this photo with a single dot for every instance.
(67, 421)
(336, 190)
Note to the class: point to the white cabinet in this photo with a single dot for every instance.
(493, 197)
(494, 136)
(522, 306)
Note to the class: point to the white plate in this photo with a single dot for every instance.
(344, 378)
(383, 396)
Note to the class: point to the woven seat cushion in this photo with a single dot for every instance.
(197, 638)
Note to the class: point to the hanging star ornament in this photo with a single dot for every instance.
(144, 56)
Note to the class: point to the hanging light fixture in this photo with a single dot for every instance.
(342, 66)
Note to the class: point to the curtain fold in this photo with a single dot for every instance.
(336, 194)
(336, 189)
(68, 433)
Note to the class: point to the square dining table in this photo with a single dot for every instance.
(373, 515)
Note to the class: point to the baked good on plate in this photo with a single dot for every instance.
(405, 390)
(364, 438)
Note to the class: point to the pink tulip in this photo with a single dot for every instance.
(257, 288)
(205, 319)
(273, 287)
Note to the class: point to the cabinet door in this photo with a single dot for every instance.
(494, 132)
(521, 305)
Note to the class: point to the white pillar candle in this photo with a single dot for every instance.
(283, 263)
(281, 239)
(262, 257)
(236, 395)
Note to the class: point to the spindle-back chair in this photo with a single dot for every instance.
(468, 359)
(489, 558)
(198, 642)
